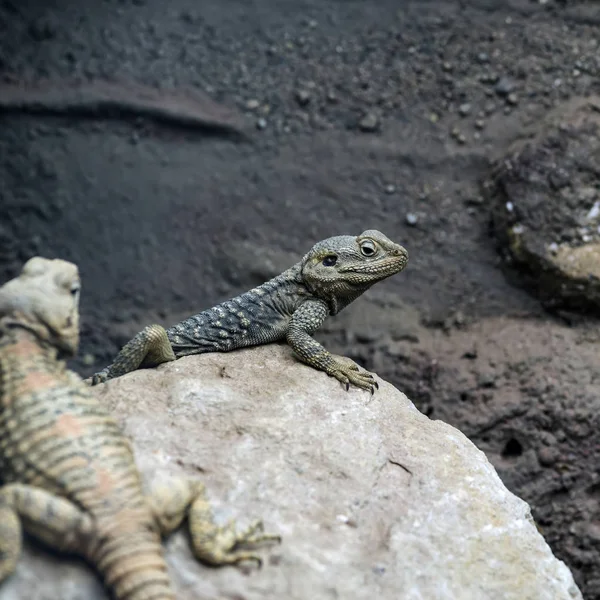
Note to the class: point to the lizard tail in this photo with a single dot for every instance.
(133, 566)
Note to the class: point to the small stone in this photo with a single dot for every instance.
(479, 124)
(412, 219)
(390, 188)
(482, 57)
(446, 66)
(464, 110)
(88, 359)
(331, 97)
(261, 123)
(489, 108)
(252, 104)
(434, 117)
(461, 139)
(369, 123)
(302, 97)
(486, 379)
(504, 87)
(512, 99)
(548, 455)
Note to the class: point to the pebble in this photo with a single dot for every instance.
(512, 99)
(88, 359)
(482, 57)
(370, 122)
(458, 136)
(504, 87)
(464, 110)
(302, 97)
(261, 123)
(479, 123)
(252, 104)
(412, 219)
(548, 455)
(390, 188)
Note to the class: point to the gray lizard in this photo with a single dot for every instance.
(291, 306)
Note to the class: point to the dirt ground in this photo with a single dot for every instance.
(350, 116)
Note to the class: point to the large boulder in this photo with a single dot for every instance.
(372, 498)
(546, 205)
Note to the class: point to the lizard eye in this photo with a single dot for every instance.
(329, 261)
(368, 248)
(75, 290)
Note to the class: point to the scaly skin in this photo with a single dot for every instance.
(292, 306)
(67, 471)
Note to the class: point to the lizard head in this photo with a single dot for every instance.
(341, 268)
(44, 298)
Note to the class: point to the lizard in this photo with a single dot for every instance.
(291, 307)
(67, 471)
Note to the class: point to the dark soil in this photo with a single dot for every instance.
(355, 115)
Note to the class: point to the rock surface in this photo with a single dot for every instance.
(371, 497)
(547, 205)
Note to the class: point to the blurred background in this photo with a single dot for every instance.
(183, 152)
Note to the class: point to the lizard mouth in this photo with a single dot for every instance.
(389, 265)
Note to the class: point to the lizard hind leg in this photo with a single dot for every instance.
(11, 540)
(149, 348)
(48, 518)
(211, 544)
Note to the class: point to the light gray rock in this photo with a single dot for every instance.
(372, 498)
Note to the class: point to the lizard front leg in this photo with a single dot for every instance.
(307, 319)
(51, 519)
(211, 544)
(149, 348)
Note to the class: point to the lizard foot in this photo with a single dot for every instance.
(97, 378)
(225, 545)
(349, 373)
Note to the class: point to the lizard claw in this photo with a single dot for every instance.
(348, 373)
(99, 377)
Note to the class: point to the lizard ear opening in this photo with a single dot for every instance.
(330, 260)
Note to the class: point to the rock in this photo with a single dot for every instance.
(504, 86)
(512, 99)
(545, 212)
(369, 122)
(411, 219)
(371, 497)
(464, 109)
(302, 97)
